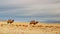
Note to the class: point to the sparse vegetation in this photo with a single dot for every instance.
(27, 29)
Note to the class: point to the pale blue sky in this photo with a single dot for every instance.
(49, 9)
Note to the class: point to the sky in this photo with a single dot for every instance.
(48, 9)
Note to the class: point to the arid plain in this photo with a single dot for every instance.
(26, 28)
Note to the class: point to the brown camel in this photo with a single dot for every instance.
(33, 22)
(10, 21)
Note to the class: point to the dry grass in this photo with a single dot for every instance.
(26, 28)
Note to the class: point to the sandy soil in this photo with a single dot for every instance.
(26, 28)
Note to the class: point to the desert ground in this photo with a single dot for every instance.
(26, 28)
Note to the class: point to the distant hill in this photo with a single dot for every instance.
(2, 20)
(52, 21)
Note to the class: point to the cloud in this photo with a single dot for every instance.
(30, 8)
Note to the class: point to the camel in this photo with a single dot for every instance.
(10, 21)
(33, 22)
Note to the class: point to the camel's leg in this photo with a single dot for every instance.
(10, 22)
(34, 23)
(7, 22)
